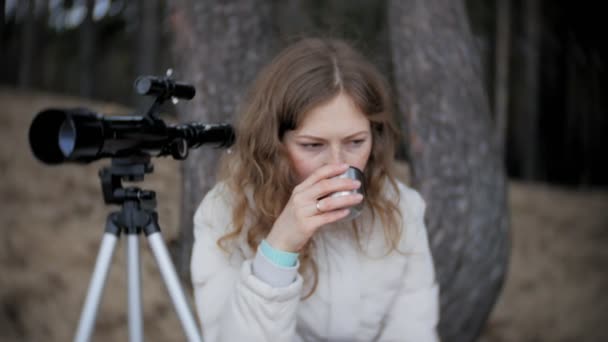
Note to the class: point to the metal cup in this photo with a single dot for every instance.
(356, 174)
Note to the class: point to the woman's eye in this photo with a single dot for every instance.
(357, 142)
(311, 146)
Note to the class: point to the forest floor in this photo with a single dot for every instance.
(52, 220)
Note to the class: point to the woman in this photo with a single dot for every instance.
(273, 257)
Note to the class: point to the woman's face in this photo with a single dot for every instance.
(333, 132)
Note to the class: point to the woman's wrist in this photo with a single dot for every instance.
(278, 256)
(271, 271)
(275, 240)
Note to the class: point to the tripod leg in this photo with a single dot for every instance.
(167, 270)
(136, 325)
(98, 280)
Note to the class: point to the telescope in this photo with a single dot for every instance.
(82, 136)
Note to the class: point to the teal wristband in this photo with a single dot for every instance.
(278, 257)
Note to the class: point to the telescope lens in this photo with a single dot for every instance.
(67, 137)
(44, 133)
(60, 135)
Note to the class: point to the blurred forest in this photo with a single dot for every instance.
(544, 65)
(544, 73)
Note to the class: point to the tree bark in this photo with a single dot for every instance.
(28, 43)
(2, 23)
(219, 46)
(87, 52)
(526, 127)
(456, 162)
(148, 41)
(501, 80)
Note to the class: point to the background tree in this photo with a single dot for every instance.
(87, 52)
(526, 116)
(455, 159)
(148, 41)
(28, 42)
(218, 46)
(501, 81)
(2, 21)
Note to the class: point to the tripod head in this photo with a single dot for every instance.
(131, 169)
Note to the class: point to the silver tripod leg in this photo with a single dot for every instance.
(95, 291)
(135, 311)
(167, 270)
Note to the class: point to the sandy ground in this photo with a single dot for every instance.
(52, 220)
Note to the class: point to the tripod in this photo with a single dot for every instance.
(137, 215)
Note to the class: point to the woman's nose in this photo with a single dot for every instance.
(336, 156)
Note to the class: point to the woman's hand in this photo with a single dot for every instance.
(302, 216)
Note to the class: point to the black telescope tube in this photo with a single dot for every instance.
(81, 136)
(197, 134)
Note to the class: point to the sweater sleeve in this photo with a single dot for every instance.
(231, 302)
(415, 313)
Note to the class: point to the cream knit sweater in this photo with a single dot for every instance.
(362, 295)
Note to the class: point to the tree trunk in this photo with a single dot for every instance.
(147, 44)
(28, 42)
(501, 80)
(87, 52)
(2, 23)
(526, 128)
(219, 46)
(456, 162)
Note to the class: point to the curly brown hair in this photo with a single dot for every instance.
(306, 74)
